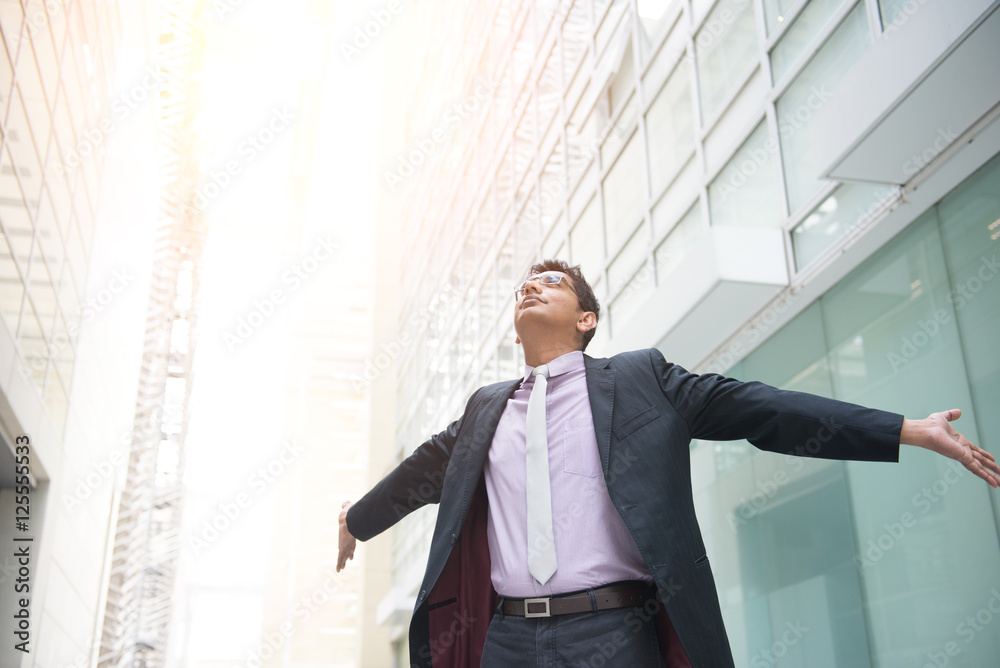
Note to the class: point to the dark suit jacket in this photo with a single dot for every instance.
(646, 411)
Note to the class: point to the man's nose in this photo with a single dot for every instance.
(533, 284)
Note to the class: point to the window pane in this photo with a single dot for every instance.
(552, 182)
(624, 193)
(830, 221)
(970, 230)
(55, 400)
(671, 251)
(890, 9)
(11, 18)
(670, 128)
(620, 132)
(775, 12)
(623, 82)
(921, 556)
(22, 152)
(725, 48)
(807, 25)
(745, 193)
(632, 296)
(652, 16)
(582, 137)
(33, 346)
(11, 287)
(585, 243)
(624, 265)
(810, 90)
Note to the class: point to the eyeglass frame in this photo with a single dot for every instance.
(561, 278)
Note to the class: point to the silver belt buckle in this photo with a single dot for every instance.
(544, 613)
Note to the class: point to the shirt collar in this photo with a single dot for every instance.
(571, 361)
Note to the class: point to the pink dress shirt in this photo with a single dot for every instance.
(593, 546)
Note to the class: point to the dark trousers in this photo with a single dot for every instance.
(618, 637)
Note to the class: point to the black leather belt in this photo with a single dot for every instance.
(604, 598)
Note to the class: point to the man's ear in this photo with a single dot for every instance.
(586, 322)
(517, 340)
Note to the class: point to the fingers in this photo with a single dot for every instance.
(345, 555)
(984, 465)
(953, 414)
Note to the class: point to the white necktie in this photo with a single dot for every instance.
(541, 544)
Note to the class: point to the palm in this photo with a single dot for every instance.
(943, 438)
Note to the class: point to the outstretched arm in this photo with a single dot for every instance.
(935, 433)
(415, 482)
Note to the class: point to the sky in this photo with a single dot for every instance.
(274, 115)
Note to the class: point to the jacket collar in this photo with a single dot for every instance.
(600, 387)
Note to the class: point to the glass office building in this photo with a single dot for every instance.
(71, 304)
(798, 192)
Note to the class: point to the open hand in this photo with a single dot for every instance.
(936, 433)
(347, 542)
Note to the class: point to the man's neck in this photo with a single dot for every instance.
(535, 356)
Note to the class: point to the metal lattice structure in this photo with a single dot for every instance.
(146, 544)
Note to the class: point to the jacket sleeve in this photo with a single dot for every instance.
(416, 482)
(782, 421)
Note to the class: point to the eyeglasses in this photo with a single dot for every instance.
(543, 279)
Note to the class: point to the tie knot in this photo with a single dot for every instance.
(541, 370)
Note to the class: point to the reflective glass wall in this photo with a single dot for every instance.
(55, 109)
(823, 563)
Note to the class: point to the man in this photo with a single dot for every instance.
(566, 532)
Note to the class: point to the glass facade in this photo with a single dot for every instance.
(55, 78)
(884, 564)
(579, 143)
(626, 136)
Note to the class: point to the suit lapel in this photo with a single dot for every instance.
(487, 419)
(601, 388)
(457, 499)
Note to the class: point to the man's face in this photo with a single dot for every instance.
(545, 304)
